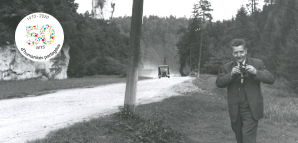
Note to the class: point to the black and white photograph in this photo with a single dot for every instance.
(148, 71)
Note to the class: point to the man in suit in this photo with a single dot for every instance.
(242, 77)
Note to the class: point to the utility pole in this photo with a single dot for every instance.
(190, 61)
(199, 64)
(134, 56)
(252, 6)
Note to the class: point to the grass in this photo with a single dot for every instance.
(27, 88)
(200, 116)
(281, 105)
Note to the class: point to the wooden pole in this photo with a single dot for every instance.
(134, 55)
(190, 61)
(199, 64)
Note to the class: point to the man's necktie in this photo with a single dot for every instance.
(241, 64)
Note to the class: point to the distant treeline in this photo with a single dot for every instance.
(101, 47)
(271, 35)
(158, 41)
(98, 46)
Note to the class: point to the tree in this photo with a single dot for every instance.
(94, 44)
(189, 46)
(289, 61)
(204, 8)
(252, 6)
(158, 40)
(269, 2)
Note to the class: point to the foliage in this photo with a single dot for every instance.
(282, 54)
(125, 114)
(252, 6)
(97, 47)
(280, 103)
(93, 43)
(289, 67)
(189, 47)
(270, 34)
(159, 36)
(197, 116)
(146, 129)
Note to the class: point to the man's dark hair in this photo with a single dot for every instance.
(237, 42)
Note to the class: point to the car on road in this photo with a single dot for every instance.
(163, 71)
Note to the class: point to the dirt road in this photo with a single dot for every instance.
(33, 117)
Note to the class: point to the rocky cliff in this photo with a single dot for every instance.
(14, 66)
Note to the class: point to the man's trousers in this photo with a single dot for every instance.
(245, 127)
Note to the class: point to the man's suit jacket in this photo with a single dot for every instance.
(251, 86)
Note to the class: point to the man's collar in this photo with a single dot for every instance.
(235, 63)
(247, 60)
(243, 62)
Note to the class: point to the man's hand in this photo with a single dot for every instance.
(251, 69)
(235, 70)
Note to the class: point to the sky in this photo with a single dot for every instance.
(222, 9)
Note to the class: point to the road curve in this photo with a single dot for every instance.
(30, 118)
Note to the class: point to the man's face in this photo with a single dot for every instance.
(239, 53)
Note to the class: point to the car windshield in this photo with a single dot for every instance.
(164, 68)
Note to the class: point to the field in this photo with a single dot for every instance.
(26, 88)
(199, 115)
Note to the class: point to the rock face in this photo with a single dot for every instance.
(14, 66)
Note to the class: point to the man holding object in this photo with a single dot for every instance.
(242, 77)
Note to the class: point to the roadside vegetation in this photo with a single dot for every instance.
(281, 103)
(200, 114)
(270, 32)
(29, 88)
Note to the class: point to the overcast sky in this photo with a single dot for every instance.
(222, 9)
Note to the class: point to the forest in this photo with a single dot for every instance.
(270, 34)
(158, 40)
(96, 47)
(101, 46)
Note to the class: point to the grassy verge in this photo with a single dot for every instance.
(281, 105)
(26, 88)
(200, 116)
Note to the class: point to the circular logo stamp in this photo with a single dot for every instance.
(39, 36)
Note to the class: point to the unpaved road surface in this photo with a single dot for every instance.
(30, 118)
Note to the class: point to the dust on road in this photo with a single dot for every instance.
(33, 117)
